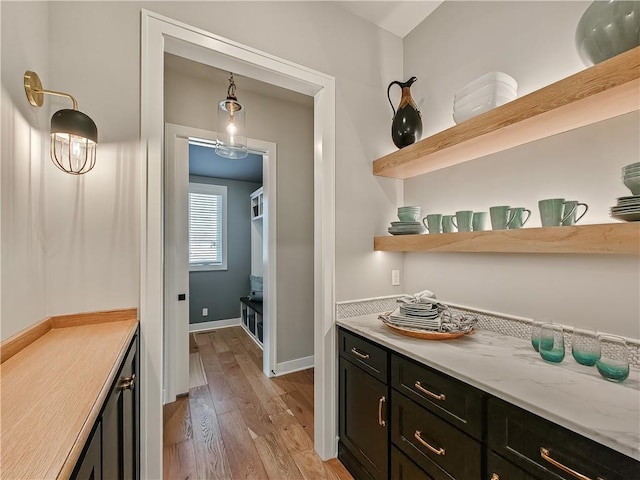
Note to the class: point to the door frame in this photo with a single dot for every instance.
(176, 373)
(160, 34)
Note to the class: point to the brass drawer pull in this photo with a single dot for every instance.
(355, 351)
(431, 394)
(495, 477)
(544, 453)
(128, 383)
(381, 422)
(439, 451)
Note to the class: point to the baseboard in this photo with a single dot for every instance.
(206, 326)
(294, 365)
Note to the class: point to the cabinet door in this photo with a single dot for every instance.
(120, 423)
(90, 467)
(363, 419)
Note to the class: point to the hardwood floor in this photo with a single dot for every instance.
(238, 424)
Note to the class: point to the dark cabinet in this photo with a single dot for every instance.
(546, 450)
(500, 469)
(363, 421)
(113, 450)
(90, 467)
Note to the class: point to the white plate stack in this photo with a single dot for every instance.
(483, 94)
(423, 316)
(627, 209)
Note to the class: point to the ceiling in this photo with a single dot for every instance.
(204, 162)
(398, 18)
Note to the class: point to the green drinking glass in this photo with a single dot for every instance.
(551, 344)
(613, 363)
(585, 346)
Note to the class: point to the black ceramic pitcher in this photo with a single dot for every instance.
(406, 127)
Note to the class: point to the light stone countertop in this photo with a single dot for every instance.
(569, 394)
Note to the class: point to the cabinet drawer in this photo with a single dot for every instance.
(433, 443)
(454, 401)
(500, 469)
(404, 469)
(526, 439)
(365, 354)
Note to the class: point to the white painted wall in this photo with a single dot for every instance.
(25, 37)
(459, 42)
(192, 101)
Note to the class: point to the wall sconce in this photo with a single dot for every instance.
(74, 135)
(232, 137)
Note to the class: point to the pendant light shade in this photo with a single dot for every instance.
(74, 136)
(232, 136)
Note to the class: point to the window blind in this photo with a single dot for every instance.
(205, 229)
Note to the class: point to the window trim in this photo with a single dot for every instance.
(211, 189)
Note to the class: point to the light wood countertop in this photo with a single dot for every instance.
(53, 389)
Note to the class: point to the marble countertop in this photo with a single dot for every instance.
(569, 394)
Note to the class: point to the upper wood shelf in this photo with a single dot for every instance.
(608, 238)
(606, 90)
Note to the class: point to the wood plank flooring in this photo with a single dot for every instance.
(238, 424)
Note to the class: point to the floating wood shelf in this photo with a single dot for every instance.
(608, 238)
(604, 91)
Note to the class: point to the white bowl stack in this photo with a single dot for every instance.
(483, 94)
(627, 209)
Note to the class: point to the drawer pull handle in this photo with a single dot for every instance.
(128, 383)
(495, 477)
(355, 351)
(381, 422)
(544, 453)
(431, 394)
(438, 451)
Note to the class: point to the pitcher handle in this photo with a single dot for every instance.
(453, 221)
(586, 207)
(511, 216)
(528, 215)
(425, 225)
(389, 96)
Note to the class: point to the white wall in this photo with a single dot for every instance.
(25, 37)
(533, 42)
(92, 231)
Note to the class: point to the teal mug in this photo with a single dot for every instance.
(479, 221)
(462, 220)
(553, 211)
(571, 206)
(433, 223)
(518, 220)
(447, 224)
(501, 217)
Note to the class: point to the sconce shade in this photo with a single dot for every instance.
(232, 136)
(73, 141)
(74, 135)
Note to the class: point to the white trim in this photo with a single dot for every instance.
(254, 338)
(160, 34)
(296, 365)
(211, 189)
(214, 325)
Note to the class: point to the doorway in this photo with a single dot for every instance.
(176, 263)
(161, 34)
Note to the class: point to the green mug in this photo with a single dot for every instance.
(447, 224)
(501, 217)
(571, 206)
(553, 212)
(518, 221)
(479, 221)
(462, 220)
(434, 223)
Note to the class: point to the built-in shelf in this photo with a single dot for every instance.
(604, 91)
(608, 238)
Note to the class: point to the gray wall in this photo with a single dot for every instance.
(220, 290)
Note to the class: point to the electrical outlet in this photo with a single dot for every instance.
(395, 277)
(205, 312)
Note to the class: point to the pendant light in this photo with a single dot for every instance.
(232, 136)
(74, 136)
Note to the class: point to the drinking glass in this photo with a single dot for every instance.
(551, 345)
(613, 363)
(585, 346)
(535, 335)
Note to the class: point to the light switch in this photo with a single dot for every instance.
(395, 277)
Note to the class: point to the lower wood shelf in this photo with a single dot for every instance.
(608, 238)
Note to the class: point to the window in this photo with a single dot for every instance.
(207, 227)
